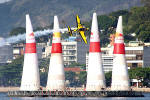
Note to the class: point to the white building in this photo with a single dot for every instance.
(69, 52)
(6, 52)
(74, 51)
(136, 56)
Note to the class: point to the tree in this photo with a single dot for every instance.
(142, 74)
(105, 24)
(146, 3)
(82, 78)
(108, 78)
(10, 75)
(18, 30)
(136, 21)
(144, 32)
(71, 77)
(76, 64)
(44, 67)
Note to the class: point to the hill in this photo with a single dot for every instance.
(42, 11)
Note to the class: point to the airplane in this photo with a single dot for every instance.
(80, 29)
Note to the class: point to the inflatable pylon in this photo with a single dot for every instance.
(120, 79)
(30, 77)
(95, 73)
(56, 76)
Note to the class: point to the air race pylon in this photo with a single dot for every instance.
(120, 79)
(56, 77)
(95, 73)
(30, 77)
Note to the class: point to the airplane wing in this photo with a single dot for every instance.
(78, 21)
(83, 36)
(69, 31)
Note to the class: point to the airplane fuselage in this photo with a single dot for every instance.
(82, 29)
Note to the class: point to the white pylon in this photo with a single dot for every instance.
(56, 76)
(30, 77)
(95, 73)
(120, 79)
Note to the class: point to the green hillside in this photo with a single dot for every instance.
(42, 11)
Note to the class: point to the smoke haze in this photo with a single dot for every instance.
(15, 39)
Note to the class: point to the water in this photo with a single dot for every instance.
(3, 96)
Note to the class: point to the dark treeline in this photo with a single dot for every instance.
(10, 75)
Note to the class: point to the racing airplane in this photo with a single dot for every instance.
(80, 29)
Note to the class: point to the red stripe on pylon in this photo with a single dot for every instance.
(56, 48)
(119, 48)
(95, 47)
(30, 48)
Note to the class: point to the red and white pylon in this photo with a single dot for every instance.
(120, 79)
(95, 73)
(56, 76)
(30, 77)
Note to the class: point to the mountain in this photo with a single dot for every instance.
(42, 11)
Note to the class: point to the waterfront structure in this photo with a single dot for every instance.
(30, 77)
(69, 52)
(56, 76)
(95, 74)
(47, 50)
(6, 54)
(41, 50)
(137, 55)
(74, 52)
(75, 94)
(120, 78)
(18, 50)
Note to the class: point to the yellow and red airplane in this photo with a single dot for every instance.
(80, 29)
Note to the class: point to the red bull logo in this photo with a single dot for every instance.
(31, 34)
(91, 36)
(31, 37)
(119, 35)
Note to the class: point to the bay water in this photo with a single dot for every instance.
(3, 96)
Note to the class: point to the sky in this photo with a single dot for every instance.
(3, 1)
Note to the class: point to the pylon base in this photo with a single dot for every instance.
(75, 94)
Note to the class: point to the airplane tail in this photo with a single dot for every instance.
(69, 31)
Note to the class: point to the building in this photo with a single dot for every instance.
(6, 54)
(69, 52)
(73, 69)
(18, 50)
(74, 51)
(137, 55)
(47, 50)
(41, 50)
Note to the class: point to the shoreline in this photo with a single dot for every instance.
(146, 90)
(6, 89)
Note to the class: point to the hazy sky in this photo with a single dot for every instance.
(2, 1)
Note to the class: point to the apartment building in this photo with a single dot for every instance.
(137, 55)
(18, 50)
(74, 51)
(6, 54)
